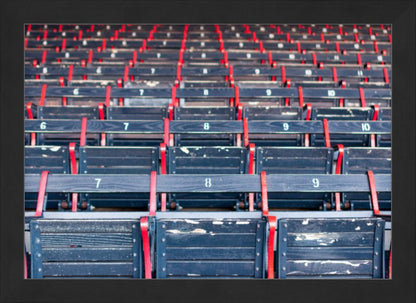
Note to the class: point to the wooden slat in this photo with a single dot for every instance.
(212, 225)
(86, 239)
(88, 269)
(87, 254)
(331, 239)
(206, 170)
(206, 253)
(119, 170)
(125, 151)
(38, 170)
(330, 253)
(209, 162)
(119, 161)
(360, 166)
(312, 225)
(85, 226)
(205, 239)
(210, 268)
(45, 162)
(295, 152)
(329, 267)
(317, 164)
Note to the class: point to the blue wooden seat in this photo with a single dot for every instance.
(67, 112)
(126, 113)
(55, 159)
(210, 248)
(207, 160)
(357, 160)
(295, 160)
(330, 248)
(118, 160)
(340, 114)
(204, 114)
(274, 113)
(83, 248)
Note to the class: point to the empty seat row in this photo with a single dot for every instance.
(217, 96)
(210, 160)
(207, 248)
(282, 132)
(168, 73)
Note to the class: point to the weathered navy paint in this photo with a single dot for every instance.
(220, 248)
(330, 248)
(85, 248)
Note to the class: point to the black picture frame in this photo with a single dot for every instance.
(401, 14)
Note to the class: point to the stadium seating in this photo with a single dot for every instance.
(208, 151)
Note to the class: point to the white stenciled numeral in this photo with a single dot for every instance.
(98, 71)
(360, 73)
(152, 70)
(356, 46)
(203, 55)
(380, 58)
(271, 36)
(45, 70)
(113, 55)
(318, 46)
(43, 125)
(308, 72)
(257, 71)
(331, 93)
(268, 92)
(164, 43)
(336, 57)
(206, 126)
(365, 127)
(208, 182)
(206, 92)
(237, 35)
(241, 44)
(202, 43)
(285, 126)
(67, 55)
(205, 71)
(248, 55)
(98, 182)
(76, 91)
(124, 43)
(315, 182)
(291, 56)
(126, 125)
(158, 55)
(141, 91)
(280, 45)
